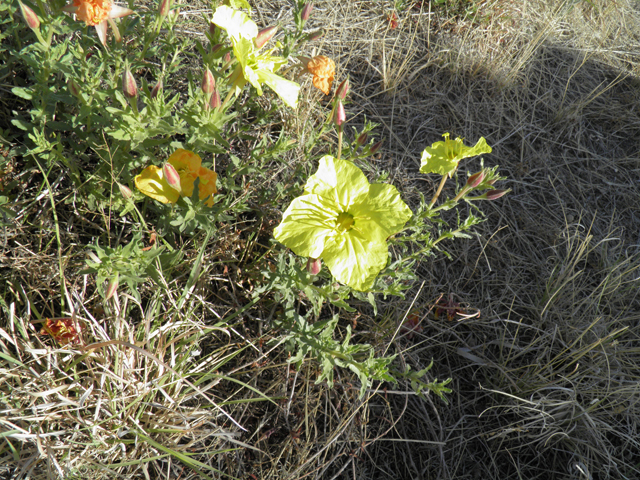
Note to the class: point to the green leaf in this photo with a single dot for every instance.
(443, 157)
(22, 93)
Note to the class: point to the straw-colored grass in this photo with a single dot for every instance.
(192, 382)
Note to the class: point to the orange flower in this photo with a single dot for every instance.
(323, 70)
(62, 329)
(96, 13)
(152, 183)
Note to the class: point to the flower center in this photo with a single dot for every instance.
(344, 222)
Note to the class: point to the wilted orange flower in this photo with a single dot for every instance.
(96, 13)
(323, 70)
(62, 329)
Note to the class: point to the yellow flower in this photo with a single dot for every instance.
(152, 183)
(96, 13)
(323, 70)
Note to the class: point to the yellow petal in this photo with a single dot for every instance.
(151, 182)
(207, 185)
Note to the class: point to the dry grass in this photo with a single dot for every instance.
(545, 381)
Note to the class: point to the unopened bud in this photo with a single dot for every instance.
(227, 57)
(314, 265)
(214, 101)
(315, 35)
(112, 287)
(264, 36)
(375, 147)
(362, 139)
(172, 176)
(73, 87)
(208, 82)
(341, 116)
(129, 87)
(156, 89)
(476, 179)
(125, 191)
(343, 88)
(306, 11)
(30, 17)
(176, 13)
(495, 194)
(215, 47)
(165, 6)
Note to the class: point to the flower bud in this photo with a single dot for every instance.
(30, 17)
(172, 176)
(73, 87)
(315, 35)
(125, 191)
(340, 116)
(494, 194)
(215, 47)
(208, 82)
(306, 11)
(476, 179)
(112, 287)
(343, 88)
(314, 265)
(362, 139)
(214, 101)
(165, 6)
(227, 57)
(129, 87)
(375, 147)
(156, 89)
(264, 36)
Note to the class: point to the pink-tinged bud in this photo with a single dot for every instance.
(343, 88)
(125, 191)
(165, 6)
(264, 36)
(476, 179)
(314, 265)
(30, 17)
(375, 147)
(172, 176)
(495, 194)
(208, 82)
(362, 139)
(227, 57)
(212, 29)
(492, 181)
(156, 89)
(112, 287)
(341, 116)
(214, 101)
(315, 35)
(73, 87)
(129, 87)
(306, 11)
(216, 47)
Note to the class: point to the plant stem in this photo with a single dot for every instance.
(440, 187)
(339, 142)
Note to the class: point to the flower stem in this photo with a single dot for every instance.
(339, 142)
(440, 187)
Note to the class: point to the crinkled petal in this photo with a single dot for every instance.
(152, 183)
(355, 260)
(236, 23)
(443, 157)
(207, 186)
(305, 226)
(285, 89)
(381, 213)
(338, 181)
(323, 84)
